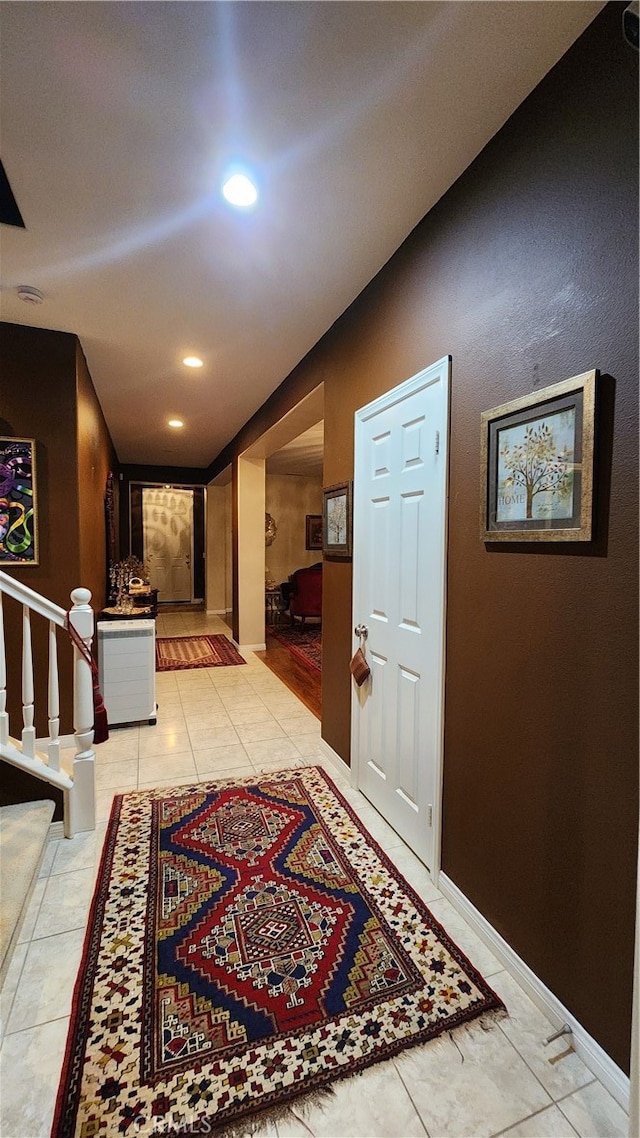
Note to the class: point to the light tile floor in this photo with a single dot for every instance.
(236, 721)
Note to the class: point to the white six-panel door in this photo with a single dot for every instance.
(399, 560)
(167, 526)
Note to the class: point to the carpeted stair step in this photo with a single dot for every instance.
(24, 833)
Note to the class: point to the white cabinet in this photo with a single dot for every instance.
(127, 667)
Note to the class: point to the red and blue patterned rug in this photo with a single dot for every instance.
(303, 643)
(248, 943)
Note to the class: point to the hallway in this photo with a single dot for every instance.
(234, 721)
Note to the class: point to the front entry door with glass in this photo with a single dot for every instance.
(167, 524)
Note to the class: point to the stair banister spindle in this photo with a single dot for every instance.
(28, 730)
(4, 718)
(81, 616)
(82, 812)
(77, 784)
(53, 747)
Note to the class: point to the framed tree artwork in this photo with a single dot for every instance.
(337, 520)
(537, 464)
(18, 506)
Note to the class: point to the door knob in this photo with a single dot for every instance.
(361, 630)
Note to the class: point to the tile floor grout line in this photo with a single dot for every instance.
(45, 879)
(34, 1027)
(527, 1118)
(7, 1018)
(410, 1097)
(523, 1057)
(528, 1064)
(577, 1090)
(72, 928)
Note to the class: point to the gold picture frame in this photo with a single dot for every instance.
(537, 464)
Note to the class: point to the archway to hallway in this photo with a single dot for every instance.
(280, 476)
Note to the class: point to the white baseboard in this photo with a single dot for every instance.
(250, 647)
(334, 758)
(217, 612)
(591, 1053)
(56, 830)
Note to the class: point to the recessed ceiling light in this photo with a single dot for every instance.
(176, 423)
(192, 361)
(240, 191)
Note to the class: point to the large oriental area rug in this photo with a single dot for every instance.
(175, 653)
(248, 943)
(303, 643)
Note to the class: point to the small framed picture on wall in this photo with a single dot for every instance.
(537, 464)
(337, 520)
(313, 531)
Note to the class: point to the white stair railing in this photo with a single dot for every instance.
(78, 782)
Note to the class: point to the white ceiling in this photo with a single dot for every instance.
(119, 120)
(302, 456)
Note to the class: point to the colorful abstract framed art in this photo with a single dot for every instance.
(18, 506)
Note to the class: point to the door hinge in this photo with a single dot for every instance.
(430, 815)
(437, 442)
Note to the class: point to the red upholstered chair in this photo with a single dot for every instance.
(305, 597)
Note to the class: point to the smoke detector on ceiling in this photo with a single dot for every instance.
(29, 295)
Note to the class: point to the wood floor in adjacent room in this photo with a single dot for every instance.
(303, 682)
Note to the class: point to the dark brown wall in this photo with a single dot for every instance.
(39, 402)
(47, 395)
(96, 457)
(526, 273)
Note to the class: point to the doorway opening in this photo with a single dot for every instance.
(278, 488)
(167, 533)
(219, 547)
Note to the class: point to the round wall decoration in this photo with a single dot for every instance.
(270, 529)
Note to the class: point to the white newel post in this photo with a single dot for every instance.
(81, 812)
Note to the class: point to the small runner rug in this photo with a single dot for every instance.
(248, 943)
(175, 653)
(305, 644)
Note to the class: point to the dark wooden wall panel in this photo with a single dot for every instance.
(39, 401)
(96, 458)
(47, 395)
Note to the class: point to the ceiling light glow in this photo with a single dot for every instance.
(240, 191)
(176, 423)
(192, 361)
